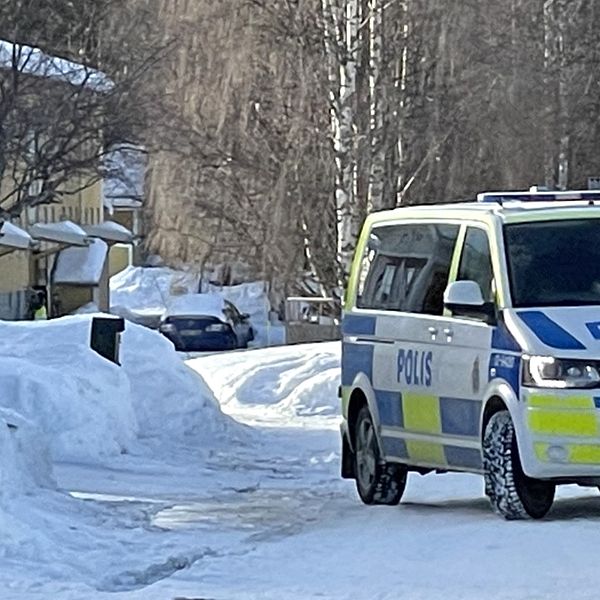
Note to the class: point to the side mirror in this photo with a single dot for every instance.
(245, 316)
(464, 299)
(373, 243)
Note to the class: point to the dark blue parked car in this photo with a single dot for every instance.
(205, 322)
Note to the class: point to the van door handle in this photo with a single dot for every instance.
(448, 333)
(433, 331)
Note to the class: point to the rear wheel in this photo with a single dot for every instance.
(513, 494)
(377, 482)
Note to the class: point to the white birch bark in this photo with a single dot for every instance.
(402, 77)
(557, 15)
(341, 23)
(564, 145)
(377, 106)
(549, 71)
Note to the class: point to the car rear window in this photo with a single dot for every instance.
(199, 323)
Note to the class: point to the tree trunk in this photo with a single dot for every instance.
(377, 107)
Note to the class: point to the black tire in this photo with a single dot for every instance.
(377, 482)
(513, 494)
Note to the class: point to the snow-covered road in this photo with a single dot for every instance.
(267, 517)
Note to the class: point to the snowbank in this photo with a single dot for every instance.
(148, 289)
(88, 407)
(24, 460)
(170, 400)
(297, 380)
(197, 304)
(25, 468)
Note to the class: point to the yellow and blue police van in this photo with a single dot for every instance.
(471, 343)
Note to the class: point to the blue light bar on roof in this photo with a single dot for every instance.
(500, 197)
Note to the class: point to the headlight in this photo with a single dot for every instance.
(548, 372)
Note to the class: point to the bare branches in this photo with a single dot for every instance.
(290, 120)
(59, 114)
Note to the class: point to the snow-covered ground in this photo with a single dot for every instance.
(251, 510)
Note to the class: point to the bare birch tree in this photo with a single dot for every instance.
(290, 120)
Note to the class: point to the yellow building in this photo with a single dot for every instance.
(67, 257)
(60, 251)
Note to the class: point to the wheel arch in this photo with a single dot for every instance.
(500, 396)
(357, 401)
(494, 405)
(362, 394)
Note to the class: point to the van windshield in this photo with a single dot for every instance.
(554, 263)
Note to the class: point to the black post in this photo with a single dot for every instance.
(105, 337)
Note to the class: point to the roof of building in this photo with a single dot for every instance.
(12, 236)
(110, 232)
(64, 232)
(34, 61)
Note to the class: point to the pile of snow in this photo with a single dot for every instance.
(76, 265)
(168, 398)
(144, 294)
(88, 407)
(197, 304)
(24, 459)
(147, 290)
(25, 469)
(299, 381)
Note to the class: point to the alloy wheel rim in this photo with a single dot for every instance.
(365, 454)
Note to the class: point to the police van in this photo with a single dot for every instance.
(471, 342)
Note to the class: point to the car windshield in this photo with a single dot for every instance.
(554, 263)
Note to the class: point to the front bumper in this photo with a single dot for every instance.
(559, 433)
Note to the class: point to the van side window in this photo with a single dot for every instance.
(435, 280)
(406, 267)
(476, 262)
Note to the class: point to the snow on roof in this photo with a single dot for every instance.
(33, 61)
(14, 237)
(123, 184)
(110, 231)
(63, 232)
(81, 266)
(197, 304)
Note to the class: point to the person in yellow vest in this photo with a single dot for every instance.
(38, 305)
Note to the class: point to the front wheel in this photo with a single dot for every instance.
(377, 482)
(512, 494)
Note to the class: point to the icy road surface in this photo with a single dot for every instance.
(268, 518)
